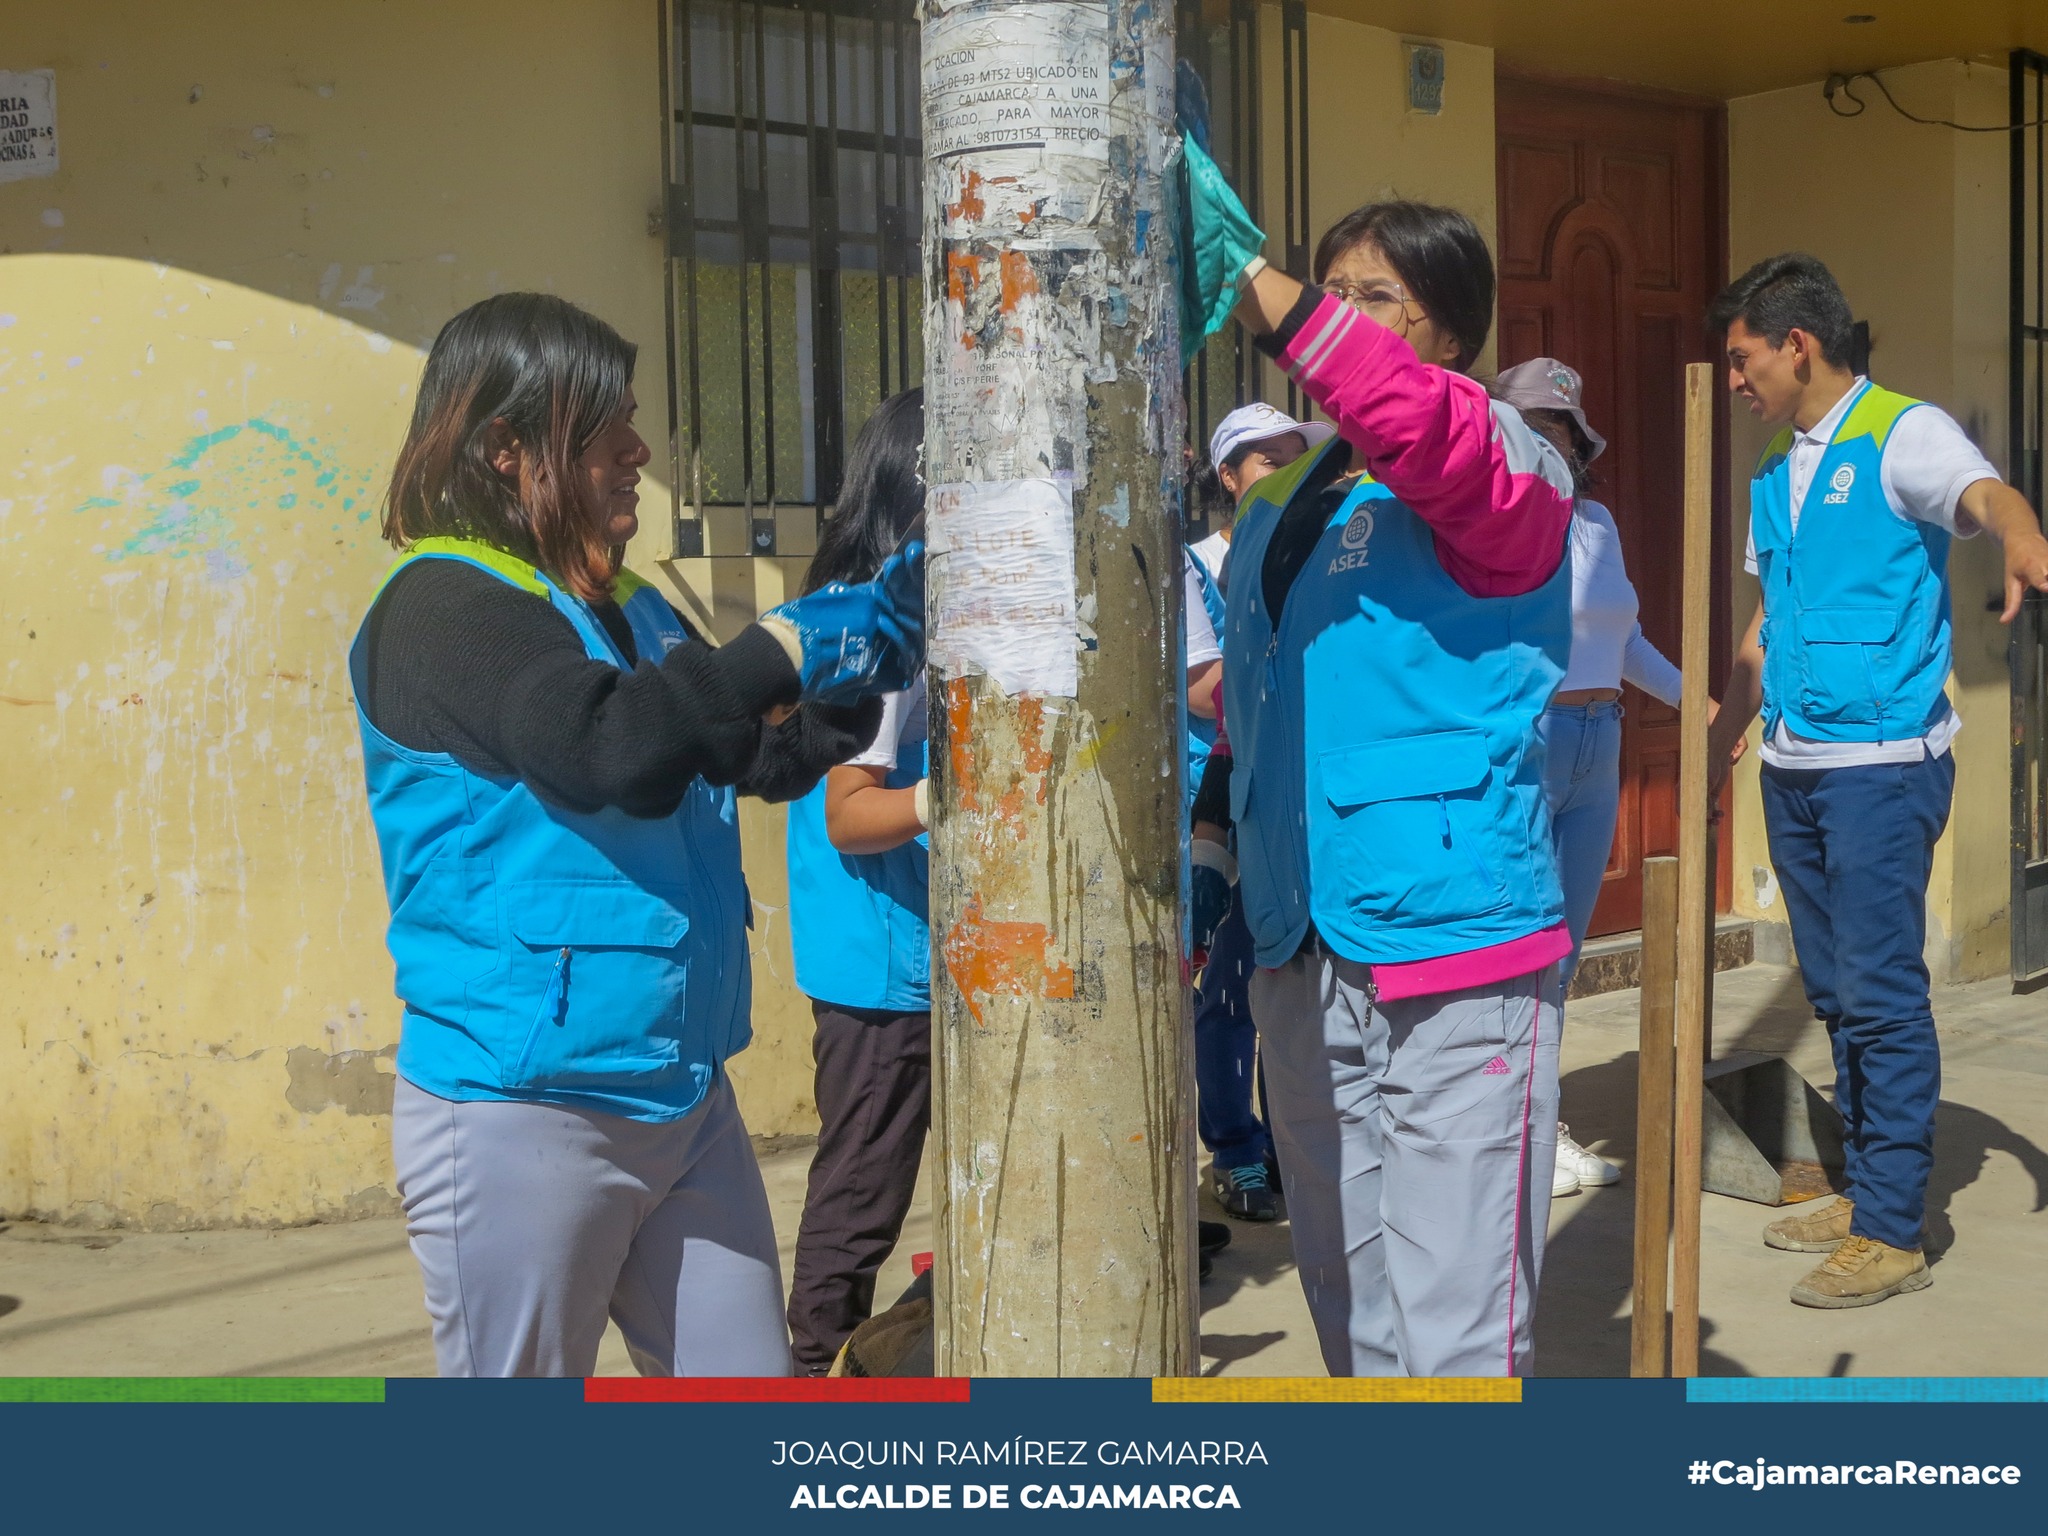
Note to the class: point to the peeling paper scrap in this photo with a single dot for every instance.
(1032, 76)
(1004, 554)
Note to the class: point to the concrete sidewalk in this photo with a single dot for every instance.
(345, 1299)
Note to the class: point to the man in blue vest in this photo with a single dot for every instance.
(1852, 509)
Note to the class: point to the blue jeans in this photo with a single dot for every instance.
(1582, 782)
(1226, 1050)
(1853, 849)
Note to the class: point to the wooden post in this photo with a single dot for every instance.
(1690, 1007)
(1650, 1312)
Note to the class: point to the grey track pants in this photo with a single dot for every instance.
(531, 1223)
(1417, 1139)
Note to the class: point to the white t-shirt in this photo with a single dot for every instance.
(1608, 645)
(1202, 646)
(905, 727)
(1212, 552)
(1928, 463)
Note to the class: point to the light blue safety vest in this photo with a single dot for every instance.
(1389, 782)
(859, 922)
(1202, 733)
(596, 961)
(1856, 603)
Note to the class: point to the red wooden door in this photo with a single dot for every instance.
(1610, 251)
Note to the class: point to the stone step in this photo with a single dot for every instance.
(1614, 962)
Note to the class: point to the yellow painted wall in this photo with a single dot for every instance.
(1365, 145)
(211, 321)
(1912, 221)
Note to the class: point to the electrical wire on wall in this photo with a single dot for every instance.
(1839, 85)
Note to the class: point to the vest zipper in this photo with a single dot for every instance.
(555, 1001)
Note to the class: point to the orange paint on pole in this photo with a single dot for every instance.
(963, 275)
(995, 959)
(960, 740)
(970, 205)
(1019, 280)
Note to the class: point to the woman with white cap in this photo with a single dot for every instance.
(1249, 444)
(1581, 728)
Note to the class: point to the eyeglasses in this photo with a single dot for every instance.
(1385, 302)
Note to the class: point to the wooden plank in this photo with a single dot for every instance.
(1649, 1311)
(1690, 975)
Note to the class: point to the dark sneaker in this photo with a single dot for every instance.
(1211, 1237)
(1245, 1192)
(1204, 1267)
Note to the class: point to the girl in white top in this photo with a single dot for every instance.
(1582, 727)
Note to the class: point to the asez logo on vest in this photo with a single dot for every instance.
(1841, 481)
(1356, 535)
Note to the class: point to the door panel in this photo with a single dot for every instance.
(1611, 249)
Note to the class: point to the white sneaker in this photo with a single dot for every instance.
(1588, 1171)
(1565, 1179)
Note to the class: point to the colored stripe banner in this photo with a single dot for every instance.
(1867, 1389)
(191, 1389)
(1323, 1389)
(775, 1389)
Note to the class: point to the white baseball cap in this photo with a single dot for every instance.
(1258, 422)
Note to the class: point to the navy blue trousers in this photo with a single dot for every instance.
(1226, 1051)
(1853, 849)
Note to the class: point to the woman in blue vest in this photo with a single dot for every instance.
(1399, 613)
(551, 755)
(1248, 444)
(858, 901)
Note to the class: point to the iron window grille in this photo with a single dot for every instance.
(795, 302)
(2027, 362)
(1220, 38)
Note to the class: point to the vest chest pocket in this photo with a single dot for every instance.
(1841, 663)
(603, 968)
(1408, 837)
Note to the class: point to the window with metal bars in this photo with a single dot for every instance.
(795, 301)
(2028, 445)
(1221, 39)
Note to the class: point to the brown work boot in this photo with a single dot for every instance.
(1863, 1271)
(1819, 1231)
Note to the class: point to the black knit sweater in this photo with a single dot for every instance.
(463, 663)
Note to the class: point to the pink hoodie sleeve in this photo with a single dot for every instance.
(1498, 497)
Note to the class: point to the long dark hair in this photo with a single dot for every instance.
(881, 495)
(556, 376)
(1440, 256)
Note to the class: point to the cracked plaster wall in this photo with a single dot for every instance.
(211, 321)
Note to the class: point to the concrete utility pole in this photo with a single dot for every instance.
(1062, 1087)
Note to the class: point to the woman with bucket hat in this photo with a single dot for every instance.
(1581, 727)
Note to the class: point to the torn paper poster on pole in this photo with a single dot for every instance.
(1006, 608)
(1053, 452)
(1019, 77)
(28, 123)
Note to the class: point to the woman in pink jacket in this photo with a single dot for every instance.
(1399, 615)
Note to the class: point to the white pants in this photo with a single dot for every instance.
(531, 1223)
(1416, 1139)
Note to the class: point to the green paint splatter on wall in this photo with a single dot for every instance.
(195, 506)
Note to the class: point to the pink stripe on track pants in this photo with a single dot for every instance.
(1416, 1139)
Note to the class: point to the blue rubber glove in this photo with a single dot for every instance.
(856, 641)
(1218, 241)
(1211, 905)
